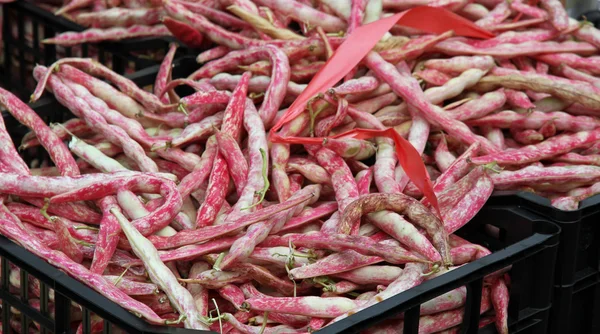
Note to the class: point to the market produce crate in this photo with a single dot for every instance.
(519, 239)
(576, 301)
(579, 250)
(25, 25)
(576, 307)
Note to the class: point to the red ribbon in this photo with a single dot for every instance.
(350, 53)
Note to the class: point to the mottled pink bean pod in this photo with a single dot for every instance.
(481, 106)
(94, 35)
(536, 120)
(309, 215)
(56, 148)
(535, 174)
(574, 74)
(433, 77)
(500, 13)
(460, 64)
(518, 99)
(443, 157)
(558, 15)
(330, 307)
(159, 273)
(528, 10)
(120, 17)
(356, 86)
(164, 74)
(546, 149)
(258, 84)
(589, 64)
(468, 206)
(304, 13)
(509, 50)
(342, 180)
(212, 54)
(335, 264)
(500, 297)
(339, 242)
(234, 157)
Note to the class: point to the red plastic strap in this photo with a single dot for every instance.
(184, 33)
(350, 53)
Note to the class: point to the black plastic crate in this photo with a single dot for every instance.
(521, 239)
(576, 308)
(579, 251)
(525, 241)
(21, 54)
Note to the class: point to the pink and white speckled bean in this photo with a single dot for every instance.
(495, 135)
(212, 54)
(532, 11)
(258, 84)
(188, 237)
(309, 215)
(198, 292)
(231, 152)
(480, 107)
(411, 276)
(309, 169)
(551, 147)
(500, 297)
(468, 206)
(443, 157)
(460, 64)
(432, 76)
(356, 86)
(329, 307)
(500, 13)
(535, 120)
(518, 37)
(573, 74)
(160, 274)
(363, 181)
(508, 50)
(342, 242)
(59, 153)
(557, 12)
(94, 35)
(304, 13)
(120, 17)
(335, 264)
(383, 274)
(164, 74)
(535, 174)
(342, 180)
(474, 11)
(518, 99)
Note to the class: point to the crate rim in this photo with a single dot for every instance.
(451, 280)
(130, 44)
(79, 292)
